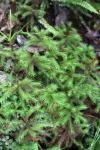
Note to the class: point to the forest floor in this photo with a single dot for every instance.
(88, 26)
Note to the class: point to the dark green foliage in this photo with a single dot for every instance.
(45, 95)
(38, 9)
(82, 3)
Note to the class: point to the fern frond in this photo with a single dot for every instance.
(83, 3)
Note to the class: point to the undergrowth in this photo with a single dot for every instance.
(43, 103)
(50, 86)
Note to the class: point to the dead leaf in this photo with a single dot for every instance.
(3, 77)
(61, 17)
(21, 40)
(34, 48)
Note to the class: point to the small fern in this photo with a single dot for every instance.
(83, 3)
